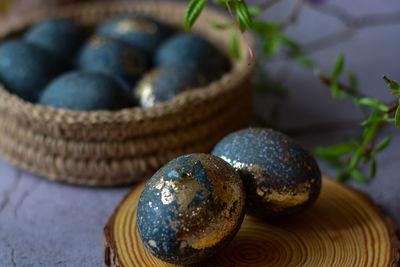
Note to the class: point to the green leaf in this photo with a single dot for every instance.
(305, 61)
(391, 84)
(382, 145)
(374, 118)
(367, 101)
(221, 26)
(193, 11)
(366, 159)
(243, 15)
(397, 116)
(371, 126)
(221, 2)
(358, 176)
(264, 28)
(370, 132)
(351, 77)
(395, 92)
(333, 160)
(355, 159)
(373, 169)
(390, 120)
(289, 42)
(370, 122)
(335, 150)
(271, 46)
(338, 67)
(335, 90)
(235, 46)
(254, 11)
(341, 175)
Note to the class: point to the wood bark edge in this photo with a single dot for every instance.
(112, 259)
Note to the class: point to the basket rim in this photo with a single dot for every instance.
(240, 71)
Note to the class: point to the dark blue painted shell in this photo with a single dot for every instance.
(144, 32)
(61, 37)
(192, 50)
(85, 91)
(25, 69)
(165, 82)
(281, 178)
(190, 208)
(123, 61)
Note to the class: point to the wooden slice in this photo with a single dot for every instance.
(343, 228)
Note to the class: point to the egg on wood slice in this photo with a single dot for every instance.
(190, 209)
(123, 61)
(25, 69)
(193, 50)
(141, 31)
(85, 91)
(164, 83)
(59, 36)
(281, 178)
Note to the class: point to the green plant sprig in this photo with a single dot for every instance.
(346, 157)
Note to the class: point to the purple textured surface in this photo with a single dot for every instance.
(44, 223)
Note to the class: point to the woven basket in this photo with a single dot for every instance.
(112, 148)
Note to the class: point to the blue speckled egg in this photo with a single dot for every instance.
(61, 37)
(86, 91)
(190, 209)
(144, 32)
(192, 50)
(123, 61)
(280, 177)
(165, 82)
(25, 69)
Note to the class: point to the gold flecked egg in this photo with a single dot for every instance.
(281, 178)
(191, 208)
(130, 25)
(163, 83)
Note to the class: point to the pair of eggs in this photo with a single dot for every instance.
(193, 206)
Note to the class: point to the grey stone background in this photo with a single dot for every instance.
(44, 223)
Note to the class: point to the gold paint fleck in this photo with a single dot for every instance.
(287, 159)
(183, 244)
(131, 25)
(152, 243)
(280, 199)
(287, 197)
(261, 190)
(97, 41)
(307, 166)
(159, 184)
(205, 225)
(258, 173)
(144, 91)
(166, 196)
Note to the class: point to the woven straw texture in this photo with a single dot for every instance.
(112, 148)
